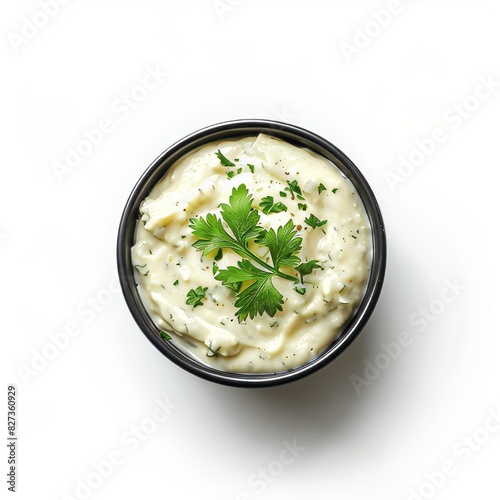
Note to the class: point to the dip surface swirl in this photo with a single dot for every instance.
(196, 311)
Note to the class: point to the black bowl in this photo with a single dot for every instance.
(233, 130)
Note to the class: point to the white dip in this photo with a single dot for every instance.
(328, 216)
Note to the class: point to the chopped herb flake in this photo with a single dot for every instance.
(223, 160)
(211, 353)
(314, 222)
(165, 335)
(294, 189)
(269, 207)
(307, 268)
(195, 297)
(138, 267)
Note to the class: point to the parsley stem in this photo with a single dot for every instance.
(277, 272)
(243, 251)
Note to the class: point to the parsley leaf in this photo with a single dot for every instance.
(223, 160)
(260, 297)
(219, 255)
(321, 188)
(251, 167)
(283, 245)
(306, 268)
(269, 207)
(294, 189)
(240, 216)
(211, 235)
(195, 297)
(314, 222)
(137, 267)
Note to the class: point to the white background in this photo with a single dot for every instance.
(285, 60)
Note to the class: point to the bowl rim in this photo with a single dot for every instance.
(234, 129)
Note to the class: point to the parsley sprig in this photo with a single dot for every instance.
(252, 278)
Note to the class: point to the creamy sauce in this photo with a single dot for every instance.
(168, 267)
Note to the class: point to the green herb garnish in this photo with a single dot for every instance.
(269, 207)
(137, 267)
(294, 189)
(165, 335)
(223, 160)
(211, 353)
(176, 282)
(219, 255)
(314, 222)
(195, 297)
(307, 268)
(258, 295)
(321, 188)
(251, 167)
(302, 206)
